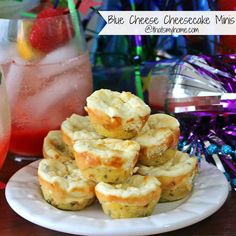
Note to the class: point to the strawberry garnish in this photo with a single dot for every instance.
(50, 30)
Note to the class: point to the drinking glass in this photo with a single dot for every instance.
(5, 124)
(48, 76)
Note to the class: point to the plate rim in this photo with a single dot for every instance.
(121, 231)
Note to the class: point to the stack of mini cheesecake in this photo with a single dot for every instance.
(119, 154)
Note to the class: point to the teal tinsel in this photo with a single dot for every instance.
(234, 182)
(212, 149)
(181, 144)
(226, 150)
(227, 176)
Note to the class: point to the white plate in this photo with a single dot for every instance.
(24, 196)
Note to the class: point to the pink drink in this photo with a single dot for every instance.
(4, 144)
(42, 96)
(5, 124)
(48, 75)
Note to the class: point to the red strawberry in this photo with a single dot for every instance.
(50, 30)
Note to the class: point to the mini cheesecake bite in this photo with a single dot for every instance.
(63, 186)
(157, 121)
(55, 148)
(78, 127)
(137, 197)
(117, 115)
(160, 133)
(107, 160)
(176, 175)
